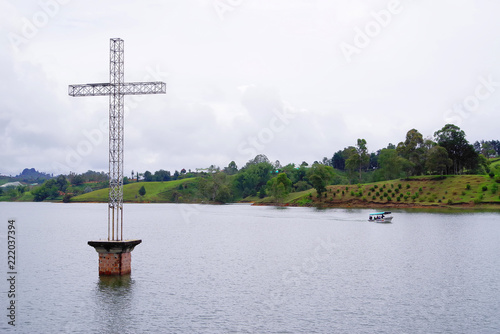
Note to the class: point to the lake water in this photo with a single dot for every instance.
(244, 269)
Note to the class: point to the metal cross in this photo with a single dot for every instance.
(116, 89)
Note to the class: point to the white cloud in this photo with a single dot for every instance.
(224, 77)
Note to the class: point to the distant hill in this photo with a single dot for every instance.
(31, 174)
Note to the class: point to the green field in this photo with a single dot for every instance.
(156, 192)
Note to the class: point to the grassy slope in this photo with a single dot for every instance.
(423, 191)
(155, 192)
(495, 166)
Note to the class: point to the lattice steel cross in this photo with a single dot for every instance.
(116, 89)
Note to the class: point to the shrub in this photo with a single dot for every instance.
(142, 191)
(377, 193)
(304, 201)
(398, 199)
(467, 186)
(407, 186)
(396, 190)
(343, 193)
(389, 191)
(375, 186)
(450, 202)
(491, 174)
(369, 193)
(352, 193)
(497, 179)
(494, 188)
(346, 188)
(373, 197)
(485, 188)
(364, 199)
(399, 186)
(385, 194)
(420, 189)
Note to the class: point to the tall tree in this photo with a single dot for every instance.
(148, 177)
(413, 150)
(279, 187)
(392, 166)
(231, 169)
(358, 158)
(319, 176)
(437, 160)
(338, 160)
(452, 138)
(253, 177)
(215, 187)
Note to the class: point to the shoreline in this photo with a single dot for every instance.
(349, 204)
(359, 204)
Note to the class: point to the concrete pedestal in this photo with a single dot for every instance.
(114, 256)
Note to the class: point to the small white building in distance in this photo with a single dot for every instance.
(12, 184)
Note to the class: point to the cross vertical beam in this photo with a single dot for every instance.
(116, 140)
(116, 89)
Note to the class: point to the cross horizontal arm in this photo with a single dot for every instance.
(128, 88)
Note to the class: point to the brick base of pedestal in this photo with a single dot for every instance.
(115, 257)
(114, 263)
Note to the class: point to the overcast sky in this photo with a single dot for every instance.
(296, 80)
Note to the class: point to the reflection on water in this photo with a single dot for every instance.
(114, 303)
(114, 283)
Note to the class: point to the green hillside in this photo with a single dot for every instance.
(423, 191)
(464, 190)
(156, 192)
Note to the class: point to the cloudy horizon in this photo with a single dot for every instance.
(296, 80)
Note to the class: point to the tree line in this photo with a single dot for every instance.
(447, 152)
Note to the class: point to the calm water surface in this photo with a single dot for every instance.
(243, 269)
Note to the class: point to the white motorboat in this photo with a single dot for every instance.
(380, 217)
